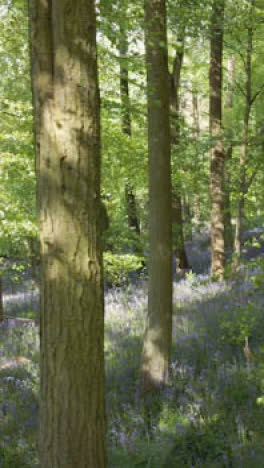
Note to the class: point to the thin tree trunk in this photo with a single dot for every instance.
(124, 84)
(196, 135)
(177, 222)
(66, 104)
(158, 334)
(217, 156)
(132, 216)
(228, 232)
(195, 112)
(1, 301)
(244, 149)
(177, 218)
(133, 221)
(188, 215)
(227, 175)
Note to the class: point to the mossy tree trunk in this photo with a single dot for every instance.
(66, 104)
(217, 155)
(157, 339)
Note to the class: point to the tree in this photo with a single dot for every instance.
(243, 185)
(175, 140)
(217, 156)
(17, 177)
(132, 217)
(157, 339)
(66, 106)
(228, 233)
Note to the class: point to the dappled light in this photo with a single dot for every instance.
(131, 234)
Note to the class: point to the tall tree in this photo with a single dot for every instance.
(131, 206)
(217, 156)
(66, 103)
(243, 185)
(229, 151)
(157, 339)
(177, 217)
(124, 84)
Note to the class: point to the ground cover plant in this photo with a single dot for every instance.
(137, 133)
(211, 414)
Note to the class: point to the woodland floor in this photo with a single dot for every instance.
(212, 412)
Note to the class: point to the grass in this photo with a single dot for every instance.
(210, 415)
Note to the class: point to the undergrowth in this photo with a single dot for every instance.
(211, 414)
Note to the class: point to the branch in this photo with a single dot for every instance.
(240, 88)
(252, 177)
(256, 94)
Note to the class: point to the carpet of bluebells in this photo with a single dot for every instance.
(211, 414)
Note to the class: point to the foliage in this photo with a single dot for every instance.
(17, 177)
(118, 268)
(211, 413)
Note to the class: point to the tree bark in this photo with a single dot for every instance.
(66, 106)
(244, 148)
(177, 218)
(217, 155)
(158, 333)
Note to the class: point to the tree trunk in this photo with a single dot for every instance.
(228, 233)
(124, 85)
(177, 218)
(195, 112)
(1, 301)
(188, 215)
(158, 333)
(196, 135)
(132, 217)
(244, 149)
(177, 222)
(66, 105)
(228, 230)
(217, 156)
(133, 222)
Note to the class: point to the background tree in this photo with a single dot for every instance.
(177, 219)
(157, 339)
(66, 103)
(228, 127)
(243, 185)
(217, 154)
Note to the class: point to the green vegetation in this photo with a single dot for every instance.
(210, 411)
